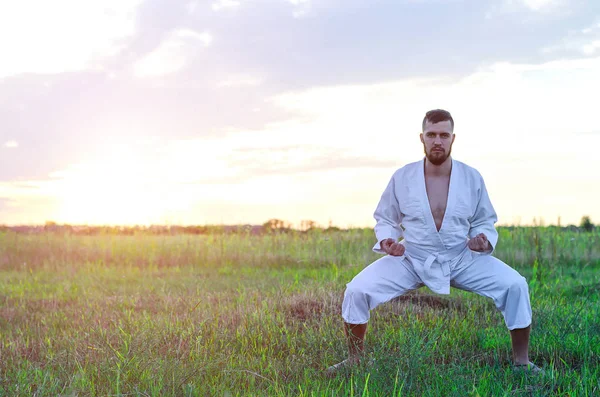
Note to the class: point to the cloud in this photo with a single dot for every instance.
(204, 37)
(11, 144)
(63, 35)
(240, 81)
(156, 21)
(590, 48)
(173, 54)
(540, 5)
(341, 143)
(591, 29)
(510, 117)
(301, 7)
(522, 108)
(225, 5)
(584, 41)
(291, 160)
(208, 72)
(57, 128)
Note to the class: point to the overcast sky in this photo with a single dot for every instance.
(237, 111)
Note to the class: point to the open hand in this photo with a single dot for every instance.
(391, 247)
(479, 243)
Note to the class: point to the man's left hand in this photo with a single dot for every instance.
(479, 243)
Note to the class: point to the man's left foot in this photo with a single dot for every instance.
(529, 368)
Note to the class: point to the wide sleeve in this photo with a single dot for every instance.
(388, 216)
(485, 217)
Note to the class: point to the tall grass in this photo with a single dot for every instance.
(260, 315)
(523, 246)
(519, 247)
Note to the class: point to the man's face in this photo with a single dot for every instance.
(437, 139)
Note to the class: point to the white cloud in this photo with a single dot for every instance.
(240, 81)
(590, 29)
(173, 54)
(536, 6)
(540, 5)
(11, 144)
(204, 37)
(62, 35)
(301, 7)
(516, 123)
(590, 49)
(225, 5)
(585, 41)
(594, 28)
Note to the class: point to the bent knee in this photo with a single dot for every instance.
(517, 284)
(354, 289)
(360, 295)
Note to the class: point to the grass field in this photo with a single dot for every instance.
(260, 315)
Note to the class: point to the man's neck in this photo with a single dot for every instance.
(441, 170)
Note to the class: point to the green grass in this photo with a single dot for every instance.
(260, 315)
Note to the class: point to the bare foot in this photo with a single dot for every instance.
(347, 363)
(529, 368)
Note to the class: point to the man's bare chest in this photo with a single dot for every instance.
(437, 194)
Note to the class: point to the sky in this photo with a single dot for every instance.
(239, 111)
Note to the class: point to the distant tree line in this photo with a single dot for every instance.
(269, 227)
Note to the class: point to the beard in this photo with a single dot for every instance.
(437, 158)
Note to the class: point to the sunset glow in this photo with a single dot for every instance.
(203, 113)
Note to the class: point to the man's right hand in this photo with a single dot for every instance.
(393, 248)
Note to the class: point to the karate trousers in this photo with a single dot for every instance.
(392, 276)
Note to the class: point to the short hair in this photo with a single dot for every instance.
(438, 115)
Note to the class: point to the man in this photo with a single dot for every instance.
(440, 209)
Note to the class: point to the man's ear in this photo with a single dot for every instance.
(421, 136)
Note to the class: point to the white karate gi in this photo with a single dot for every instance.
(437, 259)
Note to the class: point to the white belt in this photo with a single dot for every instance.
(439, 283)
(433, 258)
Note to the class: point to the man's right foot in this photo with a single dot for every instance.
(347, 363)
